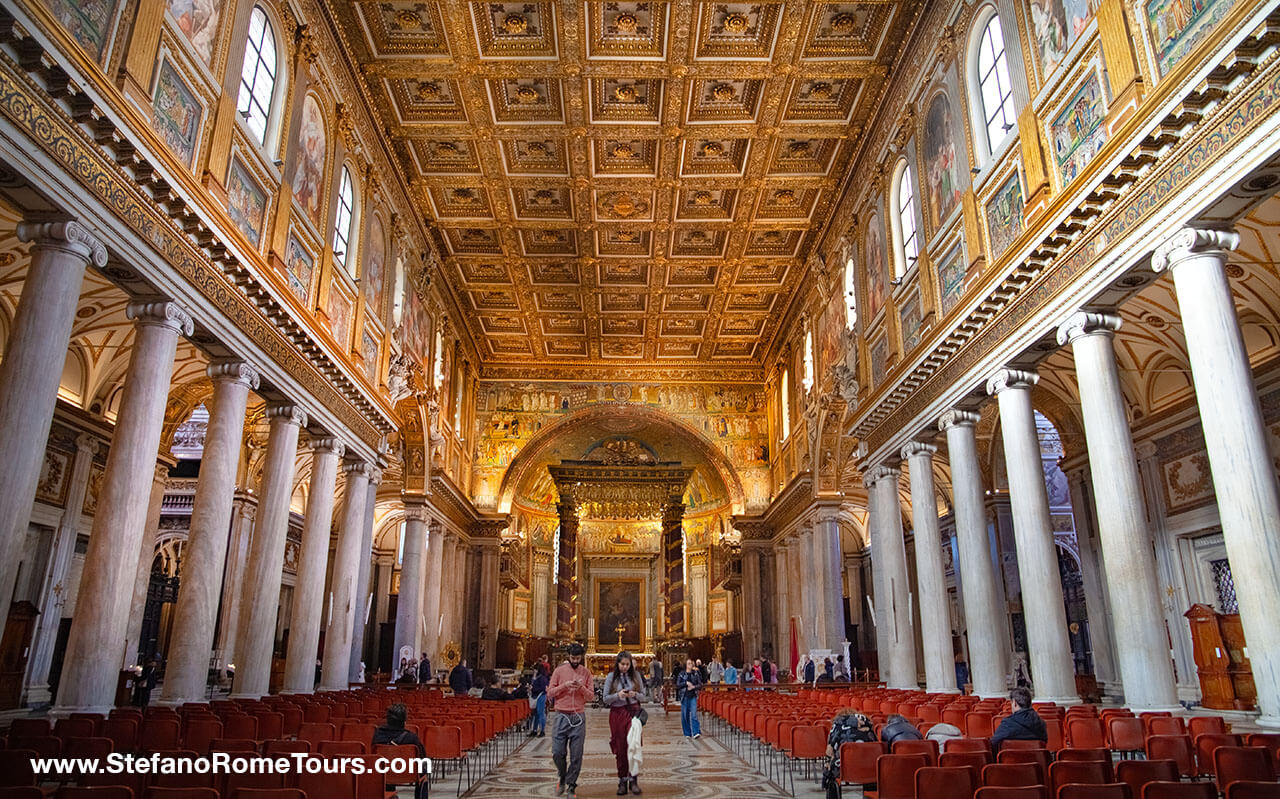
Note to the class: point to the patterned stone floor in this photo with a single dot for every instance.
(673, 767)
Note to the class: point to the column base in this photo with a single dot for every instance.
(39, 695)
(330, 688)
(246, 695)
(65, 711)
(942, 690)
(293, 691)
(999, 695)
(903, 687)
(1270, 722)
(1155, 708)
(1065, 701)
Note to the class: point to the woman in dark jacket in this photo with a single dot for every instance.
(623, 693)
(688, 684)
(538, 692)
(897, 728)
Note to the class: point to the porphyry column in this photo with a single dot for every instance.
(673, 548)
(567, 572)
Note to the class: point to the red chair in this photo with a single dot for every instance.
(233, 782)
(1173, 747)
(160, 734)
(185, 777)
(101, 792)
(75, 728)
(242, 725)
(927, 748)
(1178, 790)
(1114, 790)
(1023, 792)
(1166, 725)
(197, 733)
(978, 724)
(285, 747)
(1269, 740)
(1085, 732)
(808, 743)
(1089, 756)
(180, 793)
(328, 786)
(405, 753)
(858, 762)
(1247, 789)
(42, 745)
(1125, 735)
(313, 732)
(123, 732)
(268, 793)
(341, 749)
(1037, 756)
(24, 728)
(315, 712)
(940, 782)
(21, 792)
(967, 745)
(1202, 725)
(370, 784)
(1248, 763)
(895, 775)
(1016, 744)
(1069, 773)
(975, 760)
(1137, 773)
(1205, 743)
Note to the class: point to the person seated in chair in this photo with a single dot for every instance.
(1024, 724)
(394, 732)
(897, 728)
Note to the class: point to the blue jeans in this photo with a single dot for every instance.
(689, 715)
(540, 714)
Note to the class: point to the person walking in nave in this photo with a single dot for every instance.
(623, 691)
(538, 698)
(460, 678)
(424, 669)
(656, 676)
(688, 685)
(570, 688)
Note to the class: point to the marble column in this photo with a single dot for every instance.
(432, 587)
(142, 579)
(567, 572)
(893, 602)
(55, 577)
(1093, 582)
(489, 596)
(827, 535)
(31, 371)
(244, 509)
(346, 597)
(204, 557)
(931, 581)
(360, 623)
(409, 625)
(782, 584)
(752, 599)
(260, 599)
(984, 614)
(95, 648)
(673, 550)
(309, 600)
(1235, 435)
(1052, 667)
(448, 595)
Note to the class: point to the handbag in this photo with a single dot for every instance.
(643, 715)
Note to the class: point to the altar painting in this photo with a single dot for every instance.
(619, 609)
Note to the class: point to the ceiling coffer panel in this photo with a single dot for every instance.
(623, 182)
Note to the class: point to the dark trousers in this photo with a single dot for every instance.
(619, 726)
(567, 736)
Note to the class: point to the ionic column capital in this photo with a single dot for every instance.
(375, 476)
(287, 413)
(1087, 323)
(1190, 242)
(328, 446)
(416, 513)
(164, 313)
(1007, 378)
(878, 473)
(957, 417)
(68, 235)
(234, 372)
(88, 444)
(357, 469)
(917, 448)
(434, 526)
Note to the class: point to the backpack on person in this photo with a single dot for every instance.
(845, 728)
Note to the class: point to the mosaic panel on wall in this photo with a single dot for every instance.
(300, 265)
(176, 113)
(198, 20)
(1077, 131)
(1176, 26)
(89, 22)
(1004, 215)
(246, 202)
(951, 275)
(943, 167)
(910, 321)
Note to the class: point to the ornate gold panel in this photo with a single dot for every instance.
(535, 156)
(707, 203)
(695, 274)
(522, 31)
(803, 156)
(783, 203)
(623, 241)
(622, 301)
(622, 326)
(774, 243)
(446, 157)
(461, 202)
(404, 29)
(555, 273)
(681, 326)
(477, 241)
(634, 31)
(635, 101)
(822, 99)
(484, 272)
(628, 273)
(427, 100)
(737, 31)
(542, 202)
(549, 241)
(525, 100)
(625, 157)
(687, 301)
(847, 31)
(698, 242)
(719, 100)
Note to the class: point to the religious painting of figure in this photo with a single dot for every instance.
(910, 322)
(1176, 26)
(300, 264)
(198, 19)
(879, 359)
(877, 267)
(308, 176)
(619, 609)
(176, 113)
(1004, 216)
(951, 274)
(834, 320)
(942, 172)
(246, 202)
(375, 269)
(1057, 24)
(1078, 133)
(88, 21)
(413, 325)
(369, 354)
(339, 313)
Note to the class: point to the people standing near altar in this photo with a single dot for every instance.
(623, 692)
(828, 668)
(460, 678)
(730, 673)
(656, 676)
(715, 671)
(688, 685)
(570, 688)
(424, 669)
(767, 671)
(757, 672)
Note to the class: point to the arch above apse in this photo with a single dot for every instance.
(526, 463)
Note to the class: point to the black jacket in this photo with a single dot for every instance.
(460, 679)
(688, 683)
(397, 735)
(901, 730)
(1024, 725)
(424, 670)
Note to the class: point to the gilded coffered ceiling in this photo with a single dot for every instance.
(615, 184)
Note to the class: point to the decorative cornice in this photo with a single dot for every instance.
(918, 448)
(234, 372)
(287, 413)
(1011, 378)
(957, 417)
(1193, 242)
(163, 313)
(1085, 323)
(68, 235)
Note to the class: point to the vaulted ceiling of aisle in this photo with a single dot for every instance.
(622, 184)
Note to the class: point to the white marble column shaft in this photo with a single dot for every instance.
(984, 613)
(95, 649)
(431, 589)
(409, 620)
(931, 581)
(359, 622)
(752, 598)
(134, 654)
(830, 580)
(244, 511)
(893, 602)
(260, 598)
(309, 600)
(204, 557)
(31, 371)
(1235, 435)
(1052, 666)
(345, 596)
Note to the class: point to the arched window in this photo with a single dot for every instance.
(786, 404)
(806, 378)
(258, 76)
(850, 295)
(905, 206)
(438, 370)
(995, 90)
(342, 224)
